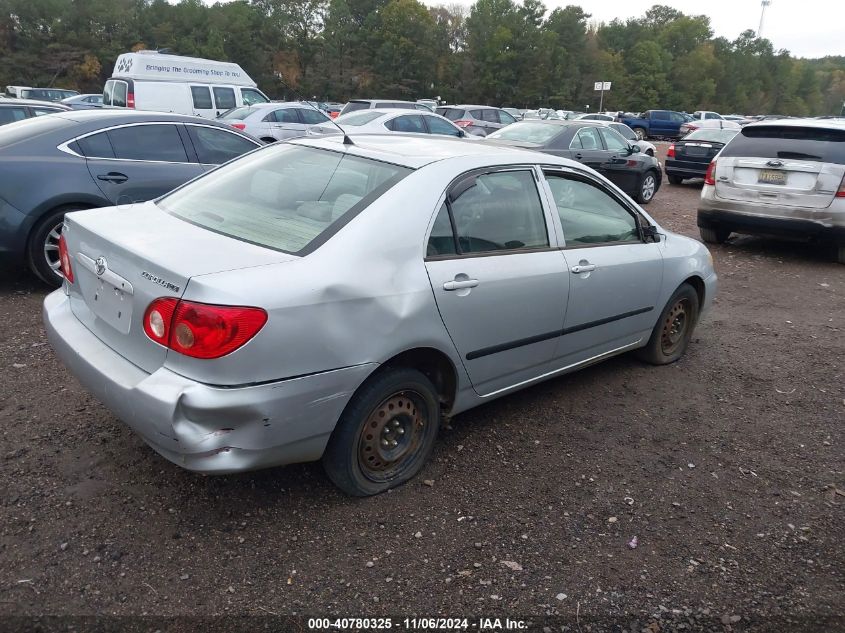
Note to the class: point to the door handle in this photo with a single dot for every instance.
(113, 176)
(583, 268)
(459, 285)
(579, 156)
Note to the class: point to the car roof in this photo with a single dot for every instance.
(380, 101)
(838, 124)
(415, 151)
(117, 116)
(474, 107)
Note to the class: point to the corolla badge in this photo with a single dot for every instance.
(100, 265)
(161, 282)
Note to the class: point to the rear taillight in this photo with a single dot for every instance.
(201, 330)
(840, 193)
(710, 176)
(462, 123)
(64, 260)
(334, 114)
(238, 126)
(130, 100)
(670, 153)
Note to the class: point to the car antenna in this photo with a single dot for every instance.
(346, 139)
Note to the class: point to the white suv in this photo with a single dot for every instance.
(781, 178)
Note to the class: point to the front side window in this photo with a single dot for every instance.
(215, 147)
(10, 115)
(590, 216)
(286, 197)
(225, 98)
(614, 142)
(160, 143)
(251, 96)
(202, 98)
(506, 118)
(500, 211)
(660, 115)
(439, 126)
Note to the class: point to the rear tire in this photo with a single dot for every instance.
(674, 180)
(672, 332)
(42, 253)
(648, 187)
(714, 236)
(386, 433)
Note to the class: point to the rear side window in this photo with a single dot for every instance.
(284, 115)
(360, 118)
(476, 114)
(202, 98)
(453, 114)
(353, 106)
(96, 146)
(10, 115)
(789, 142)
(215, 147)
(225, 98)
(285, 197)
(413, 123)
(148, 142)
(490, 115)
(660, 115)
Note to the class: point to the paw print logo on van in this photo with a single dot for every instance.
(124, 65)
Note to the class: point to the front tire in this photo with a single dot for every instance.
(386, 433)
(714, 236)
(648, 187)
(672, 332)
(43, 248)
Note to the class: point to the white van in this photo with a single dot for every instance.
(15, 91)
(147, 80)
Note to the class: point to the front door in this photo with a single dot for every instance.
(136, 163)
(614, 275)
(620, 166)
(500, 287)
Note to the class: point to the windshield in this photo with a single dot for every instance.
(283, 197)
(705, 134)
(528, 131)
(359, 118)
(826, 145)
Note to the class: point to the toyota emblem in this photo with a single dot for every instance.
(100, 266)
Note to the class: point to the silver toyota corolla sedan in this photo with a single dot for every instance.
(320, 299)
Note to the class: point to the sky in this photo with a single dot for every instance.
(807, 28)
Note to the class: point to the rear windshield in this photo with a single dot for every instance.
(30, 128)
(789, 142)
(705, 134)
(359, 118)
(285, 197)
(528, 131)
(352, 106)
(237, 113)
(453, 114)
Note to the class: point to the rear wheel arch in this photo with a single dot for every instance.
(436, 366)
(39, 232)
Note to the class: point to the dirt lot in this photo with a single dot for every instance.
(725, 466)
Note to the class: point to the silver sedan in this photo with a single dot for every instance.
(324, 300)
(379, 121)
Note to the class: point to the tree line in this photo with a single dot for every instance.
(496, 52)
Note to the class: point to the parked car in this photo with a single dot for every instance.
(46, 94)
(514, 112)
(334, 109)
(738, 118)
(477, 119)
(629, 135)
(271, 122)
(147, 80)
(592, 144)
(690, 156)
(386, 121)
(13, 92)
(706, 115)
(84, 102)
(431, 104)
(595, 117)
(262, 326)
(713, 124)
(782, 178)
(12, 110)
(95, 158)
(381, 104)
(656, 123)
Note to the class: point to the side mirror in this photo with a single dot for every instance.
(635, 149)
(651, 233)
(462, 134)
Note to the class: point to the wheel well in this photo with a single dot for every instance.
(436, 366)
(66, 207)
(697, 283)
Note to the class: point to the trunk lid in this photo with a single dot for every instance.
(783, 165)
(124, 258)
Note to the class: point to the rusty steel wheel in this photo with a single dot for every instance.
(673, 330)
(675, 327)
(392, 435)
(386, 433)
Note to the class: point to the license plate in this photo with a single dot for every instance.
(112, 305)
(696, 151)
(771, 177)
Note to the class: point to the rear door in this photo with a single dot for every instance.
(588, 149)
(783, 165)
(500, 286)
(614, 276)
(139, 162)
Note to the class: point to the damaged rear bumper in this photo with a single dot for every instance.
(200, 427)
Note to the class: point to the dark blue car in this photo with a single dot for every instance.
(68, 161)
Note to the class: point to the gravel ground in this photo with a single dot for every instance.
(726, 466)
